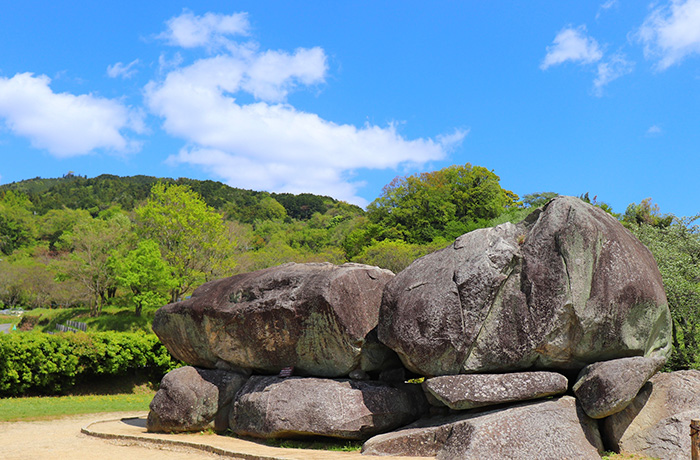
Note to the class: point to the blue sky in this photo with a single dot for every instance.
(564, 96)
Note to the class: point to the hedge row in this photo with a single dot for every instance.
(36, 363)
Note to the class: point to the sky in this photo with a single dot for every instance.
(338, 98)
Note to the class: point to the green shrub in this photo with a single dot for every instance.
(35, 363)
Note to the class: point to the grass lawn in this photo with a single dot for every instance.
(112, 318)
(51, 407)
(9, 319)
(127, 394)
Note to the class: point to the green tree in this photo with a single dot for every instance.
(16, 222)
(56, 222)
(423, 207)
(535, 200)
(145, 274)
(192, 236)
(676, 248)
(646, 213)
(92, 243)
(395, 255)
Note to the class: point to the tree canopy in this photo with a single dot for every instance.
(192, 236)
(444, 203)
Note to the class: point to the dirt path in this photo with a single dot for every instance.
(61, 439)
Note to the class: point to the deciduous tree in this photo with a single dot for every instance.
(192, 237)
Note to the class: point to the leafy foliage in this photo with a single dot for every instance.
(16, 223)
(676, 248)
(191, 235)
(145, 274)
(646, 213)
(444, 203)
(92, 241)
(51, 364)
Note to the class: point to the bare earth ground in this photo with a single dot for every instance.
(63, 439)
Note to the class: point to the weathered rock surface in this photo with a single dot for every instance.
(607, 387)
(314, 317)
(468, 391)
(544, 429)
(567, 287)
(657, 422)
(270, 407)
(423, 438)
(548, 429)
(191, 399)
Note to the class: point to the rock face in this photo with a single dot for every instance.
(462, 392)
(270, 407)
(549, 429)
(192, 399)
(567, 287)
(314, 317)
(545, 429)
(424, 438)
(607, 387)
(657, 422)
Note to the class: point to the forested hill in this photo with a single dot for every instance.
(105, 191)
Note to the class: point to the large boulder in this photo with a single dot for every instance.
(657, 422)
(607, 387)
(461, 392)
(423, 438)
(566, 287)
(554, 428)
(548, 429)
(314, 317)
(270, 407)
(191, 399)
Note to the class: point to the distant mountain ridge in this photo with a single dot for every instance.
(99, 193)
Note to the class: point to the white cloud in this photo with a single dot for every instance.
(64, 124)
(272, 74)
(572, 45)
(609, 70)
(269, 144)
(671, 32)
(121, 70)
(210, 30)
(605, 7)
(654, 130)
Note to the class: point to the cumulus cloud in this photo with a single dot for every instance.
(609, 70)
(190, 31)
(64, 124)
(121, 70)
(572, 45)
(269, 144)
(671, 32)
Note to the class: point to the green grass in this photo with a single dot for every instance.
(324, 444)
(51, 407)
(108, 395)
(112, 318)
(623, 456)
(9, 319)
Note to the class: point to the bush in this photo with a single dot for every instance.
(35, 363)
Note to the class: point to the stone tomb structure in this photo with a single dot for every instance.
(532, 340)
